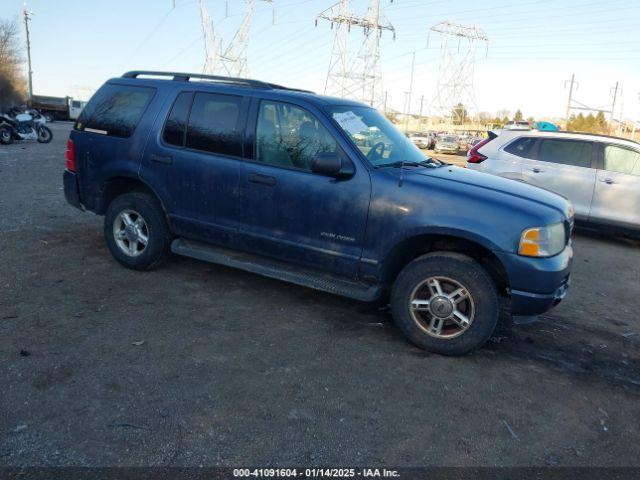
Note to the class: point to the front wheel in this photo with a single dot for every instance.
(44, 134)
(446, 303)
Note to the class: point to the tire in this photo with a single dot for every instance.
(44, 134)
(153, 226)
(480, 306)
(6, 136)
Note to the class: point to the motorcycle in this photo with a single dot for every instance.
(23, 126)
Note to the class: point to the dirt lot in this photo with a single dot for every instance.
(236, 369)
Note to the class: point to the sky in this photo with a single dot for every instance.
(534, 47)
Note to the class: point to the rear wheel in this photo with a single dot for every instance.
(136, 231)
(6, 137)
(446, 303)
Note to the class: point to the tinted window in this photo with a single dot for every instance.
(115, 110)
(567, 152)
(175, 127)
(522, 147)
(289, 136)
(214, 124)
(621, 160)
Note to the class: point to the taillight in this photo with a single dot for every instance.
(71, 156)
(476, 157)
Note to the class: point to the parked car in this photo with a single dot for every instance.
(270, 180)
(517, 125)
(422, 140)
(447, 144)
(600, 175)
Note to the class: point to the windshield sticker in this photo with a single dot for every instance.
(350, 122)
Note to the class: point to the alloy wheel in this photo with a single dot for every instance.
(131, 233)
(442, 307)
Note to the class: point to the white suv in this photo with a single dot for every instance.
(600, 175)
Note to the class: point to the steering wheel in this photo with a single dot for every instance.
(374, 154)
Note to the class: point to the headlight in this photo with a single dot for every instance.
(543, 241)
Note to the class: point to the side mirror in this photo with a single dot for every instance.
(332, 165)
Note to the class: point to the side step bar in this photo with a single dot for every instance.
(275, 269)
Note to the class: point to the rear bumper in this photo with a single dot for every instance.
(538, 284)
(71, 189)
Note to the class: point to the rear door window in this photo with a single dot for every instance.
(621, 160)
(576, 153)
(115, 110)
(176, 125)
(522, 147)
(215, 124)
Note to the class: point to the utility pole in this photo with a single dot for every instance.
(421, 107)
(27, 18)
(573, 82)
(386, 96)
(613, 106)
(413, 64)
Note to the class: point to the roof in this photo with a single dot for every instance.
(213, 81)
(594, 137)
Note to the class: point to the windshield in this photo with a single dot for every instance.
(377, 138)
(448, 139)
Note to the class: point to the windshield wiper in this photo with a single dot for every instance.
(401, 164)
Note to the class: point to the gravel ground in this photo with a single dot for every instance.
(197, 364)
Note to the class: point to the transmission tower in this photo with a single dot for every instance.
(458, 45)
(210, 41)
(356, 76)
(232, 59)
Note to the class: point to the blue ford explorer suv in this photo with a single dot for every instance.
(321, 192)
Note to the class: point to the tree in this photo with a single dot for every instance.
(518, 116)
(601, 122)
(12, 83)
(590, 123)
(459, 114)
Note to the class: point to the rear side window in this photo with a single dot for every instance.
(621, 160)
(214, 124)
(522, 147)
(176, 125)
(115, 110)
(576, 153)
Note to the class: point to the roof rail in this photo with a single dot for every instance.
(597, 135)
(185, 77)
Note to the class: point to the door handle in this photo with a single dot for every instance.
(608, 181)
(262, 179)
(536, 170)
(164, 159)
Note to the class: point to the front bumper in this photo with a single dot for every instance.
(537, 284)
(71, 189)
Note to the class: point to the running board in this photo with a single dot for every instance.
(305, 277)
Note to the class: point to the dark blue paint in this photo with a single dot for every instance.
(348, 227)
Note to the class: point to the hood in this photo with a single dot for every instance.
(492, 183)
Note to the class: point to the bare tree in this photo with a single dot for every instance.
(12, 83)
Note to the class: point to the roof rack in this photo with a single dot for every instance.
(185, 77)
